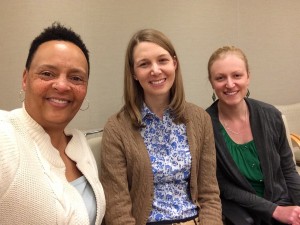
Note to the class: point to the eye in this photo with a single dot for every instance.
(46, 75)
(77, 79)
(164, 60)
(142, 64)
(219, 78)
(238, 75)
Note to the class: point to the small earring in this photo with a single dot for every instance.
(214, 98)
(21, 95)
(87, 105)
(248, 93)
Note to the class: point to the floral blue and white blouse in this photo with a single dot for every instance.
(170, 157)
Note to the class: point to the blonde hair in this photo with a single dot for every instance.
(133, 91)
(223, 51)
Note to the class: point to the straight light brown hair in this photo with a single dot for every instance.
(134, 93)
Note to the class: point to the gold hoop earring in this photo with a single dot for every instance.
(87, 105)
(21, 95)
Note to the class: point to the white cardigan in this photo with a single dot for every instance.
(33, 186)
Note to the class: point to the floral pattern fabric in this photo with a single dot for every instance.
(170, 157)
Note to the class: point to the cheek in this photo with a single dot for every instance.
(36, 87)
(142, 83)
(139, 74)
(141, 78)
(248, 82)
(80, 92)
(215, 85)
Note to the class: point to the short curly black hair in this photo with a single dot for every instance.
(57, 32)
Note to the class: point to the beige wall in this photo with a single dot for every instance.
(267, 30)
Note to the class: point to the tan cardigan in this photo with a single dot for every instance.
(126, 172)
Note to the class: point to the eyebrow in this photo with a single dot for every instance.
(161, 55)
(49, 66)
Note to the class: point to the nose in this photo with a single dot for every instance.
(155, 69)
(230, 83)
(61, 84)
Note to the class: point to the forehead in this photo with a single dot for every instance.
(146, 49)
(57, 45)
(228, 60)
(58, 52)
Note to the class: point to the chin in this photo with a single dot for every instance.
(235, 101)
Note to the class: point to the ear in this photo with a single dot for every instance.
(175, 62)
(24, 80)
(248, 79)
(211, 84)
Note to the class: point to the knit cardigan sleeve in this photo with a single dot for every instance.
(8, 154)
(114, 177)
(204, 186)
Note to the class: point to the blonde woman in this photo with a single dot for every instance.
(256, 173)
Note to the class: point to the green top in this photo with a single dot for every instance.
(246, 159)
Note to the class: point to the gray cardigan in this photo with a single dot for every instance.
(282, 182)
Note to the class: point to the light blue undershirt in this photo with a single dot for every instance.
(87, 193)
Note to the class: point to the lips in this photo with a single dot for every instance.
(59, 101)
(156, 82)
(230, 92)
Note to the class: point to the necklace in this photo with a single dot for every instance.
(230, 130)
(226, 126)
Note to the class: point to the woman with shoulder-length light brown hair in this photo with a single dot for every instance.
(133, 91)
(158, 154)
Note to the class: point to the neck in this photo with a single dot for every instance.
(234, 118)
(157, 105)
(232, 112)
(58, 139)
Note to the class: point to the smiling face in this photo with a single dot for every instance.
(154, 69)
(55, 84)
(229, 78)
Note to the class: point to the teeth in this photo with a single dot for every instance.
(158, 82)
(231, 93)
(58, 100)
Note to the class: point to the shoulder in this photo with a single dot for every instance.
(264, 115)
(196, 114)
(74, 132)
(6, 126)
(191, 109)
(258, 103)
(9, 152)
(116, 120)
(3, 115)
(213, 109)
(262, 107)
(118, 124)
(78, 142)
